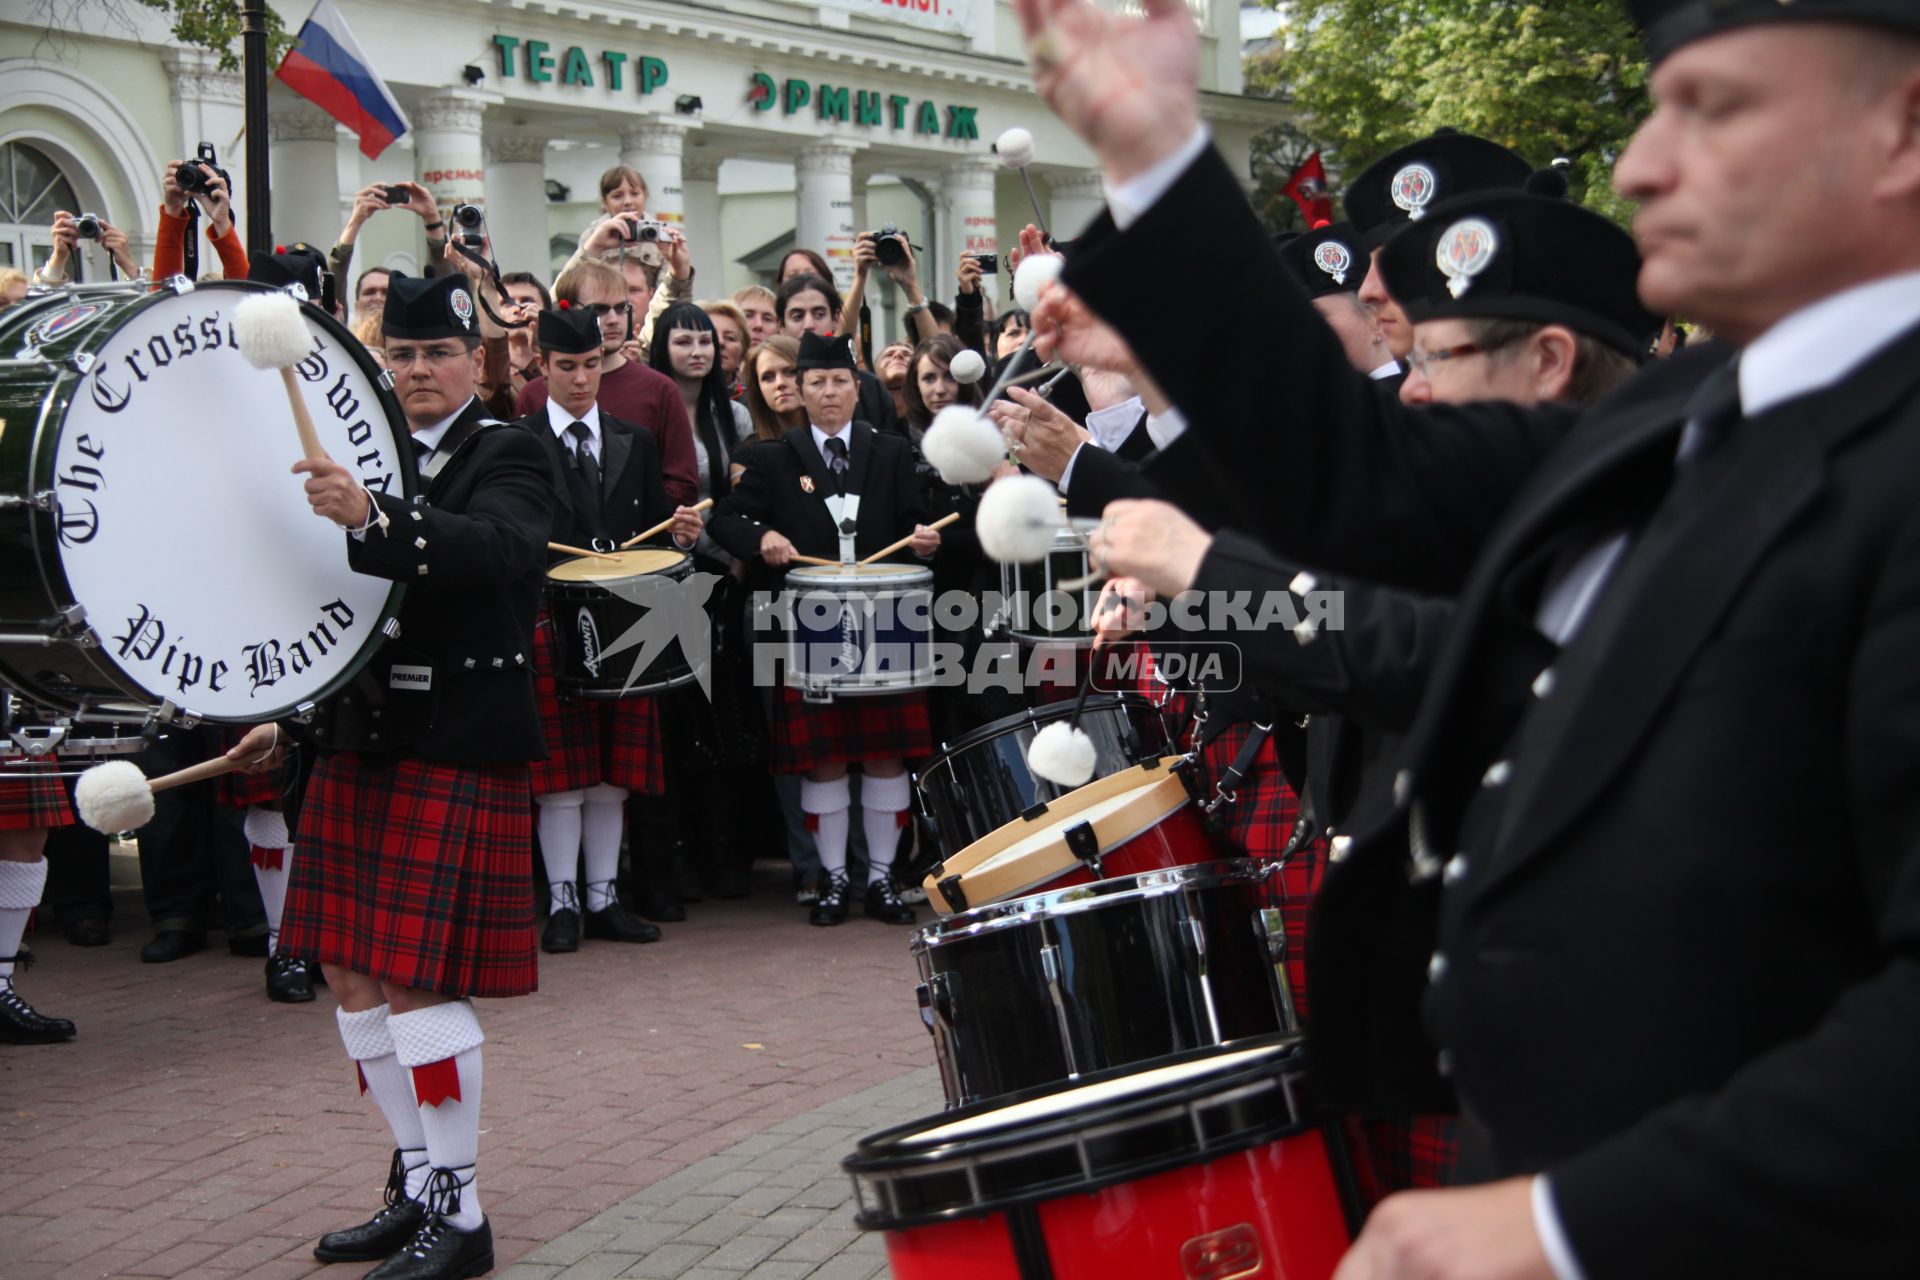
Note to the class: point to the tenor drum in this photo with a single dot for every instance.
(1058, 985)
(598, 606)
(1212, 1166)
(157, 555)
(859, 629)
(982, 782)
(1051, 601)
(1139, 819)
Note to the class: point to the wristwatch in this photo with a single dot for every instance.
(918, 308)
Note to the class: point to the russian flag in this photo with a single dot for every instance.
(328, 69)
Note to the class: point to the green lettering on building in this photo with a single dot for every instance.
(653, 74)
(867, 108)
(506, 45)
(899, 103)
(798, 93)
(764, 93)
(539, 65)
(578, 71)
(929, 120)
(960, 123)
(833, 103)
(614, 60)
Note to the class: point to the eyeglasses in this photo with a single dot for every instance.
(404, 357)
(1422, 362)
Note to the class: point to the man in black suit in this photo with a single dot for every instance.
(415, 831)
(794, 496)
(608, 481)
(1672, 723)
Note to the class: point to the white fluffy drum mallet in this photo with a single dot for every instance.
(1034, 275)
(1018, 518)
(1062, 753)
(963, 445)
(116, 796)
(968, 367)
(1015, 151)
(272, 334)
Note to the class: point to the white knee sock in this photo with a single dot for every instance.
(370, 1045)
(440, 1046)
(825, 804)
(21, 884)
(883, 811)
(560, 845)
(272, 856)
(605, 815)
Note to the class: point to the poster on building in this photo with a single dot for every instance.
(926, 15)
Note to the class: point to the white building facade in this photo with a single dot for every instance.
(759, 125)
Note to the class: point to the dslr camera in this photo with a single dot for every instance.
(889, 246)
(193, 180)
(87, 226)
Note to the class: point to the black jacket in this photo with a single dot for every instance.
(1681, 925)
(785, 486)
(633, 496)
(456, 683)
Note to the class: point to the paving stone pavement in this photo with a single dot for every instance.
(772, 1206)
(196, 1129)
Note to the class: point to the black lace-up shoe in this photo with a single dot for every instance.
(21, 1023)
(616, 924)
(563, 926)
(440, 1250)
(883, 903)
(288, 981)
(383, 1234)
(832, 906)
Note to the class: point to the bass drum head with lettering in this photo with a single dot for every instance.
(180, 529)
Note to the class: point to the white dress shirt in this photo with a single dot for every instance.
(820, 439)
(562, 423)
(1388, 370)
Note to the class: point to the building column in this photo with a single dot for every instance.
(655, 146)
(823, 222)
(973, 226)
(1075, 199)
(449, 160)
(517, 201)
(304, 158)
(209, 105)
(700, 178)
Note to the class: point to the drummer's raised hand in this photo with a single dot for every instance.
(334, 492)
(686, 527)
(1151, 540)
(1120, 611)
(264, 747)
(775, 549)
(925, 541)
(1129, 86)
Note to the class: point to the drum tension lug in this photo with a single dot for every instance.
(180, 284)
(81, 361)
(955, 895)
(304, 713)
(1083, 844)
(177, 716)
(390, 628)
(1034, 811)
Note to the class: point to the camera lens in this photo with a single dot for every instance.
(87, 227)
(467, 215)
(889, 250)
(649, 235)
(190, 178)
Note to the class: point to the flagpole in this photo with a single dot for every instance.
(253, 49)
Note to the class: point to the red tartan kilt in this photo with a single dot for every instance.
(243, 790)
(807, 736)
(32, 799)
(417, 873)
(1401, 1153)
(592, 741)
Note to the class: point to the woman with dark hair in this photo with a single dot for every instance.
(772, 376)
(706, 736)
(930, 384)
(802, 262)
(1005, 333)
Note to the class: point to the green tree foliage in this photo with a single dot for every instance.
(1545, 77)
(215, 25)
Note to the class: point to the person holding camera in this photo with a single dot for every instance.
(371, 288)
(888, 249)
(184, 185)
(69, 231)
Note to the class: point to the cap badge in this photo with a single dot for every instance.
(1333, 258)
(463, 308)
(806, 484)
(1413, 190)
(1464, 252)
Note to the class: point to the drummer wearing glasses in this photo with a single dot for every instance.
(836, 491)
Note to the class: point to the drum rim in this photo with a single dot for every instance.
(1038, 717)
(45, 545)
(1161, 882)
(878, 1161)
(685, 559)
(820, 575)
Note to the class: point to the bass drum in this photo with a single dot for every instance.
(157, 554)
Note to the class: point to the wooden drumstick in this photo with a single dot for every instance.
(888, 550)
(578, 551)
(797, 558)
(214, 768)
(639, 538)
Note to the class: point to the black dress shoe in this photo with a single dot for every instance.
(382, 1235)
(883, 903)
(172, 944)
(87, 931)
(562, 932)
(21, 1023)
(832, 906)
(248, 946)
(617, 924)
(288, 981)
(655, 903)
(440, 1252)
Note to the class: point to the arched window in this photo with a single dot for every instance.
(31, 189)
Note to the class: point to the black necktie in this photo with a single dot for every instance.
(589, 467)
(837, 459)
(1711, 413)
(421, 452)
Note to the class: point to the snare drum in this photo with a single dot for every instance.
(1054, 986)
(161, 559)
(859, 629)
(1211, 1166)
(1051, 601)
(1139, 819)
(594, 602)
(982, 781)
